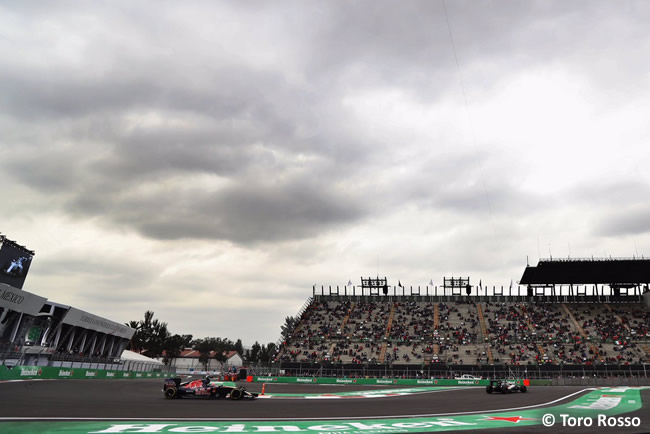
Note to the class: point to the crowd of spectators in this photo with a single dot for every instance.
(404, 332)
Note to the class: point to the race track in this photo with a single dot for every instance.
(141, 400)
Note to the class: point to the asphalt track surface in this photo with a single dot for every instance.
(143, 399)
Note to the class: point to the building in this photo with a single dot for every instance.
(37, 332)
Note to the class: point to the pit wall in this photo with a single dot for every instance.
(385, 381)
(52, 373)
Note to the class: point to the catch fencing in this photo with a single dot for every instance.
(589, 375)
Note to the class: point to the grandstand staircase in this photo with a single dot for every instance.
(573, 320)
(481, 317)
(347, 318)
(531, 327)
(618, 318)
(343, 324)
(436, 326)
(384, 346)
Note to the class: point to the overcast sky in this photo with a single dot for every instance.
(211, 161)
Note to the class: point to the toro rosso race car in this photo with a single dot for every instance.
(205, 388)
(504, 386)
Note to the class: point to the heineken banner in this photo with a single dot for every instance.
(51, 373)
(373, 381)
(386, 381)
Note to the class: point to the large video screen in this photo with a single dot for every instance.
(14, 265)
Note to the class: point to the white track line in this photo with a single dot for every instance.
(370, 395)
(258, 419)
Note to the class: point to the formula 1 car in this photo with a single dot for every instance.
(205, 388)
(505, 386)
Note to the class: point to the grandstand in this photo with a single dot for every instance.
(566, 320)
(35, 331)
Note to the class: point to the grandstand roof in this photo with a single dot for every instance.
(587, 271)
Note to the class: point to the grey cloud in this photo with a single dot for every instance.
(617, 207)
(468, 182)
(62, 95)
(243, 213)
(100, 269)
(624, 220)
(620, 192)
(249, 124)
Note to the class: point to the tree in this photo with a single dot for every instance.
(255, 352)
(174, 345)
(223, 346)
(239, 347)
(205, 347)
(136, 342)
(150, 335)
(290, 323)
(267, 352)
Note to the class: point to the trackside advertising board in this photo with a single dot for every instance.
(51, 373)
(373, 381)
(387, 381)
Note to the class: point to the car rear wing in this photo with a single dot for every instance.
(172, 382)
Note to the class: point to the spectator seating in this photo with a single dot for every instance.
(421, 332)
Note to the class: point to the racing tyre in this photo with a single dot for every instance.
(523, 389)
(504, 389)
(489, 389)
(170, 393)
(236, 394)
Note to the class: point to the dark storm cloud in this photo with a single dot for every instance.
(245, 213)
(59, 94)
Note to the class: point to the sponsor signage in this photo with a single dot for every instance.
(345, 381)
(79, 318)
(48, 372)
(373, 381)
(20, 301)
(266, 379)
